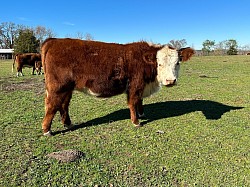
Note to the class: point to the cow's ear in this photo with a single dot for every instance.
(186, 53)
(149, 57)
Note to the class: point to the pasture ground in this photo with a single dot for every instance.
(195, 134)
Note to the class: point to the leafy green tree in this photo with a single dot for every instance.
(208, 46)
(26, 42)
(232, 47)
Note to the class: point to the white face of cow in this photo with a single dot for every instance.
(168, 66)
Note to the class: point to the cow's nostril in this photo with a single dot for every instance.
(171, 82)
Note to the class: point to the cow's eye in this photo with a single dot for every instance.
(178, 63)
(159, 65)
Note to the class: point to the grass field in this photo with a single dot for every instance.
(195, 134)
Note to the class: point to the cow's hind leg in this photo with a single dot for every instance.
(140, 110)
(19, 71)
(64, 111)
(53, 102)
(50, 111)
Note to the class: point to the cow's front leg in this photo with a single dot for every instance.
(133, 104)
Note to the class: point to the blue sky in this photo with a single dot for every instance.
(124, 21)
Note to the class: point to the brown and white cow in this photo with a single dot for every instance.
(104, 70)
(27, 60)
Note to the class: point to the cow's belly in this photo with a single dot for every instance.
(104, 88)
(28, 66)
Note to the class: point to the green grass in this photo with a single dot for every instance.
(195, 134)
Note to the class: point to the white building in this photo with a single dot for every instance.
(6, 53)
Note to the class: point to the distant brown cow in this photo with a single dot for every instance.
(38, 67)
(104, 70)
(26, 60)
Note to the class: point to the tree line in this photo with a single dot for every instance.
(25, 39)
(226, 47)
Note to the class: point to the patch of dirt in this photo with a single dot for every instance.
(66, 155)
(32, 84)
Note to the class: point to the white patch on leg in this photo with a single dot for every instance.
(137, 125)
(47, 93)
(47, 133)
(93, 93)
(89, 92)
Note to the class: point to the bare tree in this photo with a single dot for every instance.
(78, 35)
(220, 48)
(242, 49)
(177, 43)
(245, 48)
(41, 33)
(69, 36)
(8, 32)
(81, 36)
(88, 36)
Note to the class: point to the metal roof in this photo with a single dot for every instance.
(6, 50)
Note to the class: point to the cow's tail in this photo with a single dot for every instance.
(13, 65)
(44, 50)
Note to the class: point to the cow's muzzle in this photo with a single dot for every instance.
(170, 83)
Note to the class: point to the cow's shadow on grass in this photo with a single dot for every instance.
(212, 111)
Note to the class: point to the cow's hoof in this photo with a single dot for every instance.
(138, 125)
(47, 133)
(69, 126)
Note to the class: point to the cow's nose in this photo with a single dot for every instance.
(171, 82)
(174, 82)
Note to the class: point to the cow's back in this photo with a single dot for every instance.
(80, 64)
(28, 59)
(96, 65)
(75, 54)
